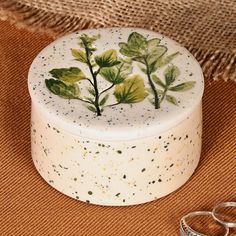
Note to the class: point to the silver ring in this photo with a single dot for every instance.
(186, 230)
(216, 215)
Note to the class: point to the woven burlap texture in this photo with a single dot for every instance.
(206, 28)
(29, 206)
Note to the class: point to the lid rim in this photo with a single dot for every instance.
(122, 135)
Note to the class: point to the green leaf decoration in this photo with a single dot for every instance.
(116, 74)
(91, 108)
(156, 53)
(140, 59)
(107, 59)
(183, 86)
(68, 75)
(109, 74)
(89, 99)
(137, 40)
(129, 51)
(79, 55)
(135, 47)
(152, 44)
(142, 50)
(104, 100)
(164, 60)
(171, 73)
(158, 81)
(91, 91)
(172, 99)
(131, 90)
(61, 89)
(87, 41)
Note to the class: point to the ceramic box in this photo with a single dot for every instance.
(116, 115)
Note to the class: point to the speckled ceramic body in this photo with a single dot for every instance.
(129, 147)
(116, 173)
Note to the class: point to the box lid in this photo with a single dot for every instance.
(115, 83)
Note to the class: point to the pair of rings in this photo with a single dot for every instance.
(186, 230)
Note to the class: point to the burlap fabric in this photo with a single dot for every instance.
(29, 206)
(206, 28)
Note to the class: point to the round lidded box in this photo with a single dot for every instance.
(116, 115)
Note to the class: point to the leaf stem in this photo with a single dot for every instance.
(164, 94)
(84, 100)
(97, 72)
(94, 76)
(114, 104)
(107, 89)
(157, 102)
(90, 81)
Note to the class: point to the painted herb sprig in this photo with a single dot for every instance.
(151, 54)
(128, 89)
(170, 74)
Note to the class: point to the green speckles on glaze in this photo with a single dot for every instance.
(103, 169)
(150, 151)
(58, 131)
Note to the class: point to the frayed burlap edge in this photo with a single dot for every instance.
(215, 64)
(37, 20)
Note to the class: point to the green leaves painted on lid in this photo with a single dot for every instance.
(152, 44)
(131, 90)
(79, 55)
(156, 52)
(104, 100)
(107, 59)
(171, 99)
(61, 89)
(171, 74)
(183, 86)
(135, 46)
(139, 48)
(86, 41)
(158, 81)
(116, 74)
(150, 54)
(164, 60)
(68, 75)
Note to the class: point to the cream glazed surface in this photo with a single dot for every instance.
(116, 173)
(116, 115)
